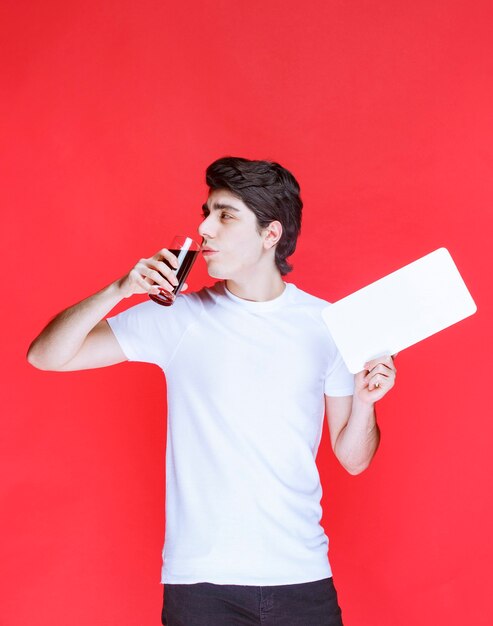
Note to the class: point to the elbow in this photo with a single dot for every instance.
(354, 470)
(353, 464)
(35, 359)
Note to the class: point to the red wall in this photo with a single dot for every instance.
(110, 113)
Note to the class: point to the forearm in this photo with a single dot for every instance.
(358, 440)
(63, 337)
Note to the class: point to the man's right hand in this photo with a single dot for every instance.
(151, 275)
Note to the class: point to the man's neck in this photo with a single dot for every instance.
(264, 288)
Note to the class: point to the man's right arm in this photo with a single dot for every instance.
(79, 338)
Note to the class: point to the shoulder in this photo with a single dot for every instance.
(312, 304)
(307, 298)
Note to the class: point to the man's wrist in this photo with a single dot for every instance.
(118, 290)
(364, 412)
(361, 406)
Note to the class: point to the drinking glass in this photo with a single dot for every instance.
(186, 251)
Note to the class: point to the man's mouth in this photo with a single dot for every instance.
(206, 251)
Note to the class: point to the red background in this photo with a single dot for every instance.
(110, 113)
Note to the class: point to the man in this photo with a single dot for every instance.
(250, 370)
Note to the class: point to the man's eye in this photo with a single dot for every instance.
(226, 216)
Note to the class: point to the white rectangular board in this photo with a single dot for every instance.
(399, 310)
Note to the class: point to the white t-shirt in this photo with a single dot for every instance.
(246, 383)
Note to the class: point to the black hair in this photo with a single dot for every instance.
(267, 189)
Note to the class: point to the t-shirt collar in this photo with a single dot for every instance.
(267, 305)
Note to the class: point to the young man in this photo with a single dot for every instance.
(250, 369)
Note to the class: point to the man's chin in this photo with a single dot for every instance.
(217, 273)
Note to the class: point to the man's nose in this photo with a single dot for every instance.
(206, 228)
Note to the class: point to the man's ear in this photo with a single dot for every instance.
(272, 233)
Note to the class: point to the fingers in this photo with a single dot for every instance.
(164, 253)
(152, 276)
(381, 373)
(379, 381)
(164, 278)
(384, 360)
(144, 285)
(138, 283)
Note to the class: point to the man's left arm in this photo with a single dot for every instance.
(353, 427)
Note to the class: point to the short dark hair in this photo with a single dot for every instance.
(270, 191)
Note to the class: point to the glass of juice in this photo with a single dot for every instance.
(186, 251)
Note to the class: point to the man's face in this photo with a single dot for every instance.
(232, 247)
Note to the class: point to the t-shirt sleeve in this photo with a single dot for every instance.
(339, 381)
(150, 333)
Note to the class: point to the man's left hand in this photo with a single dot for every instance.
(378, 377)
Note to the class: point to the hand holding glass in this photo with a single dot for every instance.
(186, 251)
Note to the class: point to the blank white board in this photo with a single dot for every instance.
(399, 310)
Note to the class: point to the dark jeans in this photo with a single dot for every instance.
(206, 604)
